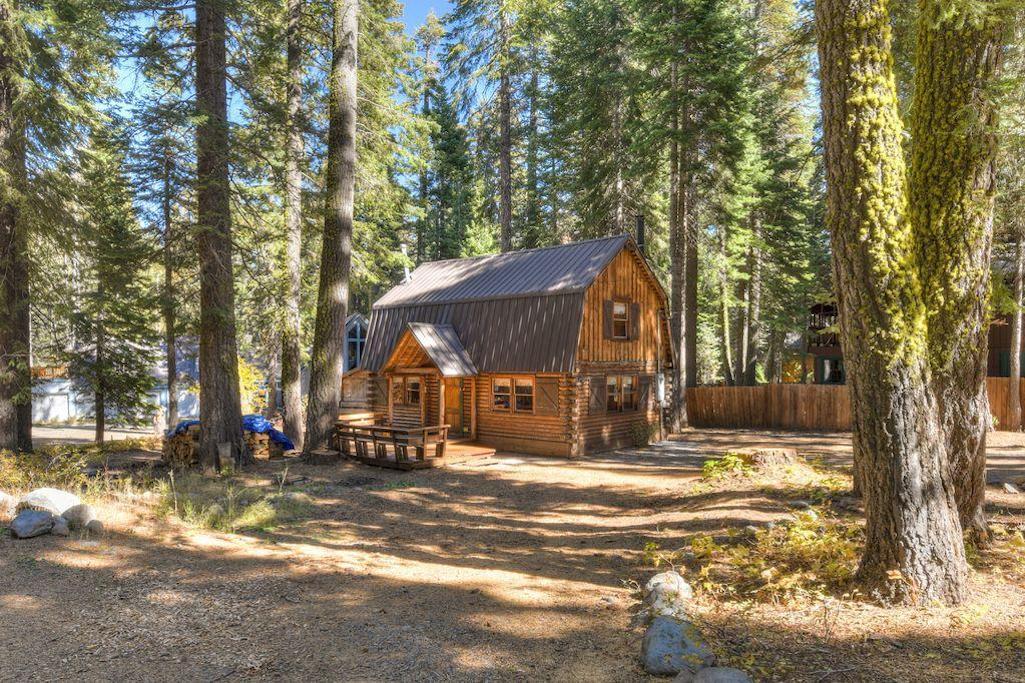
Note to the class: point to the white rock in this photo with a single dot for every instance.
(8, 506)
(53, 501)
(667, 595)
(671, 646)
(713, 674)
(1011, 488)
(31, 523)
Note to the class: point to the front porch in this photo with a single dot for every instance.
(431, 405)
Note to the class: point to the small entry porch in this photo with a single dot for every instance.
(430, 385)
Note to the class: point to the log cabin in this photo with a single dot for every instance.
(553, 351)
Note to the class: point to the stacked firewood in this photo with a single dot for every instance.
(259, 445)
(181, 450)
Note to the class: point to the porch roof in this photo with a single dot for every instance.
(442, 346)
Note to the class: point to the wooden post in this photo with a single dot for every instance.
(473, 408)
(441, 400)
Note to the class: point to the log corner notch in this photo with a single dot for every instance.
(888, 246)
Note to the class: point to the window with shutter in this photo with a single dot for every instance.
(381, 390)
(547, 395)
(644, 393)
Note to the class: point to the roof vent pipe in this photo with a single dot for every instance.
(405, 263)
(640, 232)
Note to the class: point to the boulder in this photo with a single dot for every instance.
(78, 516)
(60, 527)
(94, 526)
(54, 501)
(667, 595)
(8, 506)
(31, 523)
(673, 645)
(714, 674)
(1011, 488)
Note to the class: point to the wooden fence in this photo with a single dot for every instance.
(802, 407)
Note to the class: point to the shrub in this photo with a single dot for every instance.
(643, 433)
(728, 465)
(225, 505)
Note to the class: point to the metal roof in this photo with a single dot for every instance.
(513, 312)
(561, 269)
(442, 345)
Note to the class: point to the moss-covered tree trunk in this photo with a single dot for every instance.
(951, 189)
(220, 412)
(914, 549)
(336, 255)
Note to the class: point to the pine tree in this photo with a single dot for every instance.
(113, 318)
(336, 254)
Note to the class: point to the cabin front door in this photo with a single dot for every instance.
(454, 406)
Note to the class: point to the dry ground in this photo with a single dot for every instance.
(504, 568)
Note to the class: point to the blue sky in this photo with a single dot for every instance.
(416, 11)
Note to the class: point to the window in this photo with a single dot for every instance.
(832, 371)
(524, 395)
(406, 390)
(512, 395)
(501, 390)
(355, 339)
(620, 320)
(620, 393)
(612, 395)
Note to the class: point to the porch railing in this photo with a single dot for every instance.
(379, 444)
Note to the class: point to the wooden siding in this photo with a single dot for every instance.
(802, 407)
(600, 431)
(526, 432)
(627, 279)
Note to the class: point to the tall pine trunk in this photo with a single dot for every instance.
(15, 373)
(1014, 379)
(952, 180)
(913, 546)
(690, 290)
(291, 331)
(336, 256)
(100, 394)
(505, 140)
(677, 270)
(170, 333)
(220, 410)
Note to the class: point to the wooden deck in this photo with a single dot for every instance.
(458, 450)
(402, 448)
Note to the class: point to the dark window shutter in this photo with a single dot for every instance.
(643, 393)
(635, 321)
(607, 320)
(398, 391)
(596, 396)
(546, 396)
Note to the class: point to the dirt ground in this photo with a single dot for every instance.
(501, 568)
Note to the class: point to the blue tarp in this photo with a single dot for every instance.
(261, 425)
(182, 427)
(250, 423)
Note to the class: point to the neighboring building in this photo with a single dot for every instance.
(554, 351)
(825, 357)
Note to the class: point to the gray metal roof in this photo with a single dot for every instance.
(442, 345)
(560, 269)
(513, 312)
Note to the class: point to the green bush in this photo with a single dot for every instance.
(225, 505)
(729, 464)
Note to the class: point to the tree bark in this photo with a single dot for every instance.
(505, 139)
(1014, 379)
(677, 270)
(220, 412)
(951, 192)
(291, 331)
(913, 550)
(100, 394)
(336, 256)
(15, 371)
(170, 333)
(753, 311)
